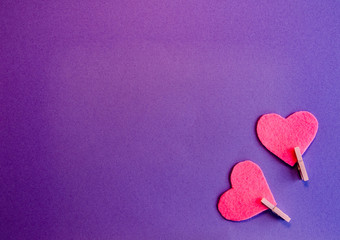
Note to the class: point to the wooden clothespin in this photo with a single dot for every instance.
(275, 210)
(301, 164)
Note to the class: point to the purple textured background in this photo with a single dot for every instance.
(123, 119)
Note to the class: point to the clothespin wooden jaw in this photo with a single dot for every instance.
(275, 210)
(301, 164)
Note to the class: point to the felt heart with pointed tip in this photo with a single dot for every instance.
(281, 135)
(248, 187)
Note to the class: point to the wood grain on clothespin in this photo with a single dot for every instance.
(276, 210)
(301, 164)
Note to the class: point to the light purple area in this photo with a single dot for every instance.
(123, 119)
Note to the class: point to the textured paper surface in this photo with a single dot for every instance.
(281, 135)
(243, 200)
(123, 119)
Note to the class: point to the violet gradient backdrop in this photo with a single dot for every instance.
(123, 119)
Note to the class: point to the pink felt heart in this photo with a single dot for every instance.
(281, 135)
(248, 187)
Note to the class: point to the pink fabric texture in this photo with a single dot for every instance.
(281, 135)
(248, 187)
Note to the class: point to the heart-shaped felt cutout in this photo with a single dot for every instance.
(248, 187)
(281, 135)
